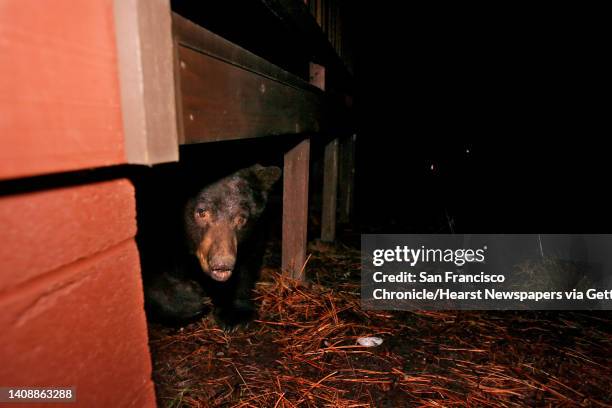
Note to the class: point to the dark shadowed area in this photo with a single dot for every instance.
(480, 118)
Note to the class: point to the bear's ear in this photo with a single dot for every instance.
(267, 176)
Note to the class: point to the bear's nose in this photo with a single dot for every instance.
(222, 263)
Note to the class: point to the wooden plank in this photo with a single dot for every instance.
(198, 38)
(317, 75)
(146, 76)
(319, 15)
(221, 101)
(346, 179)
(178, 98)
(59, 91)
(330, 192)
(69, 231)
(228, 93)
(53, 333)
(330, 169)
(295, 209)
(311, 31)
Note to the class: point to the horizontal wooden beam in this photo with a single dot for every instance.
(226, 92)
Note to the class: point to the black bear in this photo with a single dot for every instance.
(219, 254)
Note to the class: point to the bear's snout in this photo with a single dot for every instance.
(222, 263)
(217, 251)
(221, 266)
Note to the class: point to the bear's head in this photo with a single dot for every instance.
(223, 214)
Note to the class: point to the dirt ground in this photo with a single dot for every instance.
(303, 351)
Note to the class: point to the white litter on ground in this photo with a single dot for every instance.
(369, 341)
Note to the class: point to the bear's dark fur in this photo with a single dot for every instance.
(218, 254)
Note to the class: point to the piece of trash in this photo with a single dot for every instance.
(369, 341)
(220, 354)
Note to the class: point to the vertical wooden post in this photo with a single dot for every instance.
(295, 208)
(330, 192)
(330, 169)
(317, 75)
(146, 76)
(346, 179)
(295, 196)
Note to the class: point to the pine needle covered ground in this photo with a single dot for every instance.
(302, 352)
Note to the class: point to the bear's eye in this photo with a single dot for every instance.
(240, 220)
(203, 213)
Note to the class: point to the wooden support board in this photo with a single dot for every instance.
(297, 18)
(346, 178)
(226, 92)
(143, 33)
(295, 209)
(330, 169)
(330, 192)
